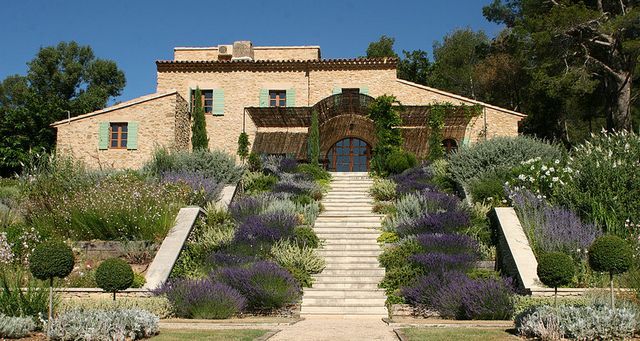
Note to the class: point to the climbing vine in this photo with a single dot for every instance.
(314, 139)
(437, 116)
(386, 119)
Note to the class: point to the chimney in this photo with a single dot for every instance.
(242, 50)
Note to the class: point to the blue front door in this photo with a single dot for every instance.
(349, 155)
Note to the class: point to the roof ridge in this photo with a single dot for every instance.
(134, 101)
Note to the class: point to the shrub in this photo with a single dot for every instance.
(441, 262)
(399, 161)
(16, 327)
(121, 206)
(488, 189)
(396, 260)
(610, 254)
(604, 185)
(552, 229)
(254, 162)
(246, 207)
(441, 222)
(125, 324)
(216, 165)
(114, 275)
(305, 236)
(265, 285)
(159, 306)
(555, 269)
(498, 154)
(592, 322)
(453, 294)
(138, 280)
(288, 165)
(23, 295)
(315, 171)
(301, 261)
(447, 243)
(387, 237)
(204, 190)
(257, 182)
(202, 299)
(383, 190)
(413, 180)
(51, 259)
(295, 186)
(267, 227)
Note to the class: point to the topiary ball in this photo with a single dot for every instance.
(555, 269)
(51, 259)
(610, 254)
(113, 275)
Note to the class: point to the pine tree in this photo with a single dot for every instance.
(199, 139)
(314, 139)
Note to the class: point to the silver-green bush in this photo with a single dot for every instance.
(291, 255)
(212, 164)
(592, 322)
(15, 327)
(383, 190)
(107, 325)
(156, 305)
(498, 154)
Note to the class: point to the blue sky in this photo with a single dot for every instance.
(136, 33)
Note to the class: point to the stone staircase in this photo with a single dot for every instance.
(349, 283)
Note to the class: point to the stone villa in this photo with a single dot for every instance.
(270, 92)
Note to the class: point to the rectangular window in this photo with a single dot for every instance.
(118, 134)
(206, 96)
(277, 98)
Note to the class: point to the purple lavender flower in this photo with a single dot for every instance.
(266, 227)
(294, 186)
(266, 285)
(435, 201)
(448, 243)
(413, 180)
(203, 298)
(488, 299)
(219, 259)
(288, 165)
(441, 262)
(246, 207)
(425, 288)
(209, 188)
(440, 222)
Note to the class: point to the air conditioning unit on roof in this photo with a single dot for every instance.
(225, 50)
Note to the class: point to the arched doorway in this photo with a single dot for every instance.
(449, 145)
(349, 155)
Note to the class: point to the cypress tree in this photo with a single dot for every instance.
(243, 146)
(314, 139)
(199, 139)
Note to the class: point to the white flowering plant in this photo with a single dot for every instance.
(542, 177)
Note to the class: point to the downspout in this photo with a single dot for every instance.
(244, 115)
(486, 129)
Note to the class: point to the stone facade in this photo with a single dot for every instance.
(161, 117)
(298, 70)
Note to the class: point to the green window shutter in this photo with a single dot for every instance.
(291, 97)
(103, 135)
(364, 90)
(264, 98)
(218, 101)
(132, 139)
(336, 91)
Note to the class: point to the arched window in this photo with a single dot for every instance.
(449, 145)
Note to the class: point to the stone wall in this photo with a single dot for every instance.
(183, 124)
(156, 116)
(259, 53)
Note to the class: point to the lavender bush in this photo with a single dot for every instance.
(265, 285)
(448, 243)
(441, 262)
(205, 189)
(246, 207)
(552, 229)
(220, 259)
(288, 165)
(203, 298)
(440, 222)
(413, 180)
(267, 227)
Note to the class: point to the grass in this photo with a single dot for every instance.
(457, 333)
(213, 335)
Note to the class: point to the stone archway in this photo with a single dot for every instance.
(341, 127)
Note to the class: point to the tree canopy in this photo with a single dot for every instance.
(66, 79)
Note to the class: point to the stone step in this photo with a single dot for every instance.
(343, 302)
(350, 260)
(371, 225)
(346, 210)
(350, 253)
(330, 229)
(327, 220)
(347, 279)
(351, 238)
(350, 242)
(380, 312)
(344, 292)
(353, 272)
(352, 266)
(351, 247)
(345, 285)
(336, 201)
